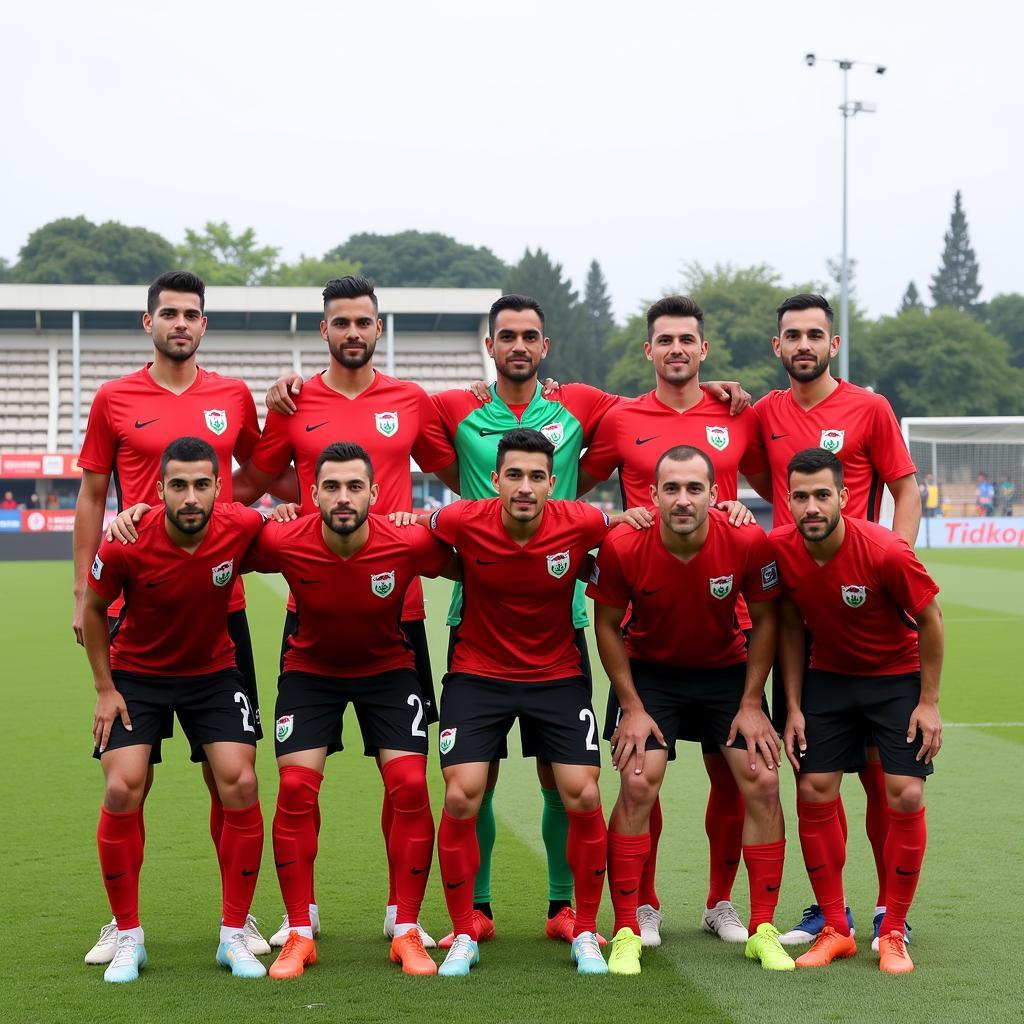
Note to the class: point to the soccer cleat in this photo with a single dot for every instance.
(129, 958)
(764, 946)
(649, 920)
(258, 945)
(893, 957)
(723, 921)
(810, 927)
(484, 931)
(625, 954)
(408, 951)
(105, 947)
(828, 946)
(463, 954)
(585, 953)
(563, 924)
(280, 937)
(874, 942)
(238, 956)
(391, 915)
(296, 955)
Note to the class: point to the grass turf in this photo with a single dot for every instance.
(54, 901)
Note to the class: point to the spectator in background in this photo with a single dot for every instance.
(931, 500)
(51, 500)
(33, 502)
(984, 496)
(8, 501)
(1005, 492)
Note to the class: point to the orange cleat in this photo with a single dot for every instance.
(296, 954)
(484, 931)
(563, 924)
(893, 957)
(828, 946)
(408, 951)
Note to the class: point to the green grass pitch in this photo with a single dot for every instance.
(968, 909)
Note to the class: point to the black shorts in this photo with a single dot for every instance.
(389, 707)
(238, 630)
(477, 713)
(156, 754)
(842, 713)
(212, 708)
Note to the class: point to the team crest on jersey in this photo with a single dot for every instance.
(447, 740)
(721, 586)
(222, 573)
(553, 432)
(383, 583)
(97, 567)
(283, 727)
(216, 420)
(558, 564)
(832, 440)
(387, 423)
(718, 437)
(854, 596)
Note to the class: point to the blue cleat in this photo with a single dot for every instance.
(129, 958)
(586, 954)
(878, 924)
(463, 955)
(237, 956)
(810, 927)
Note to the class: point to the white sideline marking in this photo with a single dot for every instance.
(983, 725)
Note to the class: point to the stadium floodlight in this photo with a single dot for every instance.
(848, 109)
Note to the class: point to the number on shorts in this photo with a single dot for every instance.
(415, 702)
(243, 700)
(586, 715)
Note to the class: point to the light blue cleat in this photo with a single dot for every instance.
(129, 958)
(237, 956)
(463, 955)
(586, 954)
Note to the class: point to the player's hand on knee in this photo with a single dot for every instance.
(928, 722)
(739, 514)
(279, 394)
(753, 725)
(634, 728)
(122, 526)
(110, 705)
(730, 391)
(794, 739)
(285, 512)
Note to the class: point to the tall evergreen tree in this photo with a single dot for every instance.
(955, 283)
(911, 299)
(597, 305)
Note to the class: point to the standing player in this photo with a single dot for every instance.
(875, 665)
(859, 427)
(173, 653)
(131, 422)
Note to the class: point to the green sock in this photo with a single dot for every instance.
(486, 827)
(554, 828)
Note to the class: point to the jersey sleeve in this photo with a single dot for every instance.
(432, 448)
(109, 570)
(761, 580)
(446, 522)
(906, 578)
(99, 448)
(595, 524)
(588, 404)
(453, 407)
(888, 448)
(274, 450)
(430, 555)
(608, 585)
(249, 435)
(262, 553)
(602, 458)
(754, 459)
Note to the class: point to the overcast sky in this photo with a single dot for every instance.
(643, 134)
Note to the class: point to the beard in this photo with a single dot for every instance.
(828, 526)
(180, 355)
(805, 374)
(344, 529)
(684, 527)
(190, 526)
(352, 360)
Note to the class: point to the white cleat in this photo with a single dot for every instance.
(237, 957)
(723, 921)
(649, 920)
(106, 945)
(391, 917)
(258, 945)
(129, 959)
(280, 937)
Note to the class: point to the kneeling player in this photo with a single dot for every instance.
(173, 654)
(876, 660)
(680, 664)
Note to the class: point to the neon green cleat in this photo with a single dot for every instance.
(625, 955)
(764, 945)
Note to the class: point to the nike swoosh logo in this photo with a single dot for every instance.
(647, 593)
(600, 872)
(773, 888)
(480, 561)
(900, 871)
(155, 583)
(145, 423)
(628, 892)
(455, 885)
(247, 874)
(419, 871)
(811, 871)
(644, 440)
(316, 426)
(111, 878)
(284, 864)
(302, 579)
(775, 437)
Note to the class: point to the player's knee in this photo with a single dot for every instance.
(638, 792)
(761, 791)
(407, 783)
(904, 794)
(123, 792)
(814, 788)
(582, 795)
(461, 801)
(295, 792)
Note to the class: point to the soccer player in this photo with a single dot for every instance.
(875, 665)
(173, 653)
(630, 439)
(859, 427)
(131, 422)
(393, 420)
(681, 661)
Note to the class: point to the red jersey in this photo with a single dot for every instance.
(133, 419)
(349, 609)
(857, 425)
(392, 419)
(685, 613)
(860, 604)
(517, 615)
(176, 602)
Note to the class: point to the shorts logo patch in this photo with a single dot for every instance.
(854, 596)
(284, 727)
(553, 432)
(222, 573)
(721, 586)
(97, 567)
(382, 583)
(718, 437)
(387, 423)
(769, 575)
(595, 575)
(832, 440)
(447, 740)
(558, 564)
(216, 420)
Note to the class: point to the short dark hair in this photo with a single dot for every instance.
(522, 439)
(514, 302)
(189, 449)
(350, 287)
(806, 300)
(814, 460)
(343, 451)
(675, 305)
(683, 453)
(176, 281)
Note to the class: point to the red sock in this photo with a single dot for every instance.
(723, 822)
(458, 853)
(587, 854)
(876, 820)
(647, 895)
(904, 854)
(387, 817)
(142, 826)
(842, 818)
(627, 856)
(764, 872)
(824, 849)
(241, 847)
(411, 839)
(120, 860)
(295, 839)
(316, 826)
